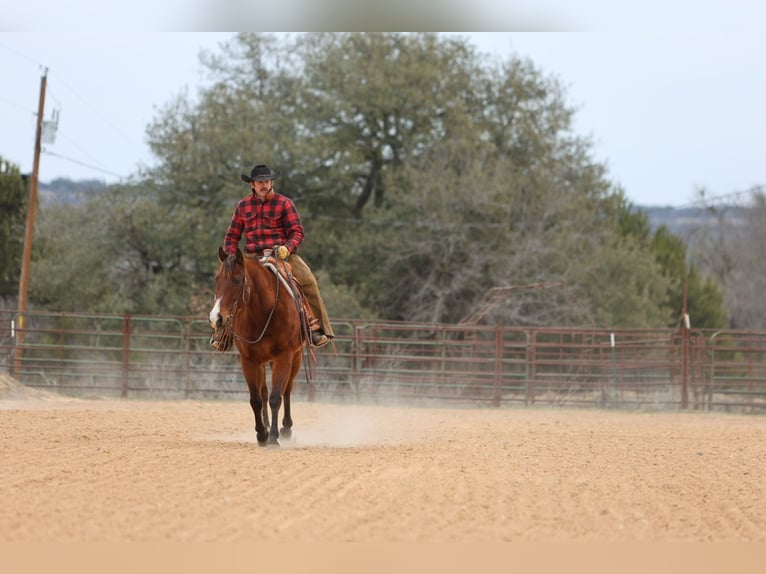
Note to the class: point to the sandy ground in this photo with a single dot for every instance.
(158, 471)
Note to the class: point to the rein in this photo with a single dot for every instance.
(227, 324)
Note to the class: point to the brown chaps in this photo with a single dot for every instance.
(308, 281)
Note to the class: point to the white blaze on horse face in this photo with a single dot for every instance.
(215, 313)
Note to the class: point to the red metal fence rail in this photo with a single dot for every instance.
(132, 356)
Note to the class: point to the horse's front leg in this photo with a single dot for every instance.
(265, 398)
(287, 419)
(275, 402)
(255, 376)
(281, 371)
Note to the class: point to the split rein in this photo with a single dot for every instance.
(227, 329)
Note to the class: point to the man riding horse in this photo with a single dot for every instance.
(270, 220)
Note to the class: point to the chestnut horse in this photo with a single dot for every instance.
(257, 313)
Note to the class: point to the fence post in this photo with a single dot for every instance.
(125, 354)
(685, 364)
(18, 342)
(187, 356)
(356, 359)
(497, 394)
(531, 366)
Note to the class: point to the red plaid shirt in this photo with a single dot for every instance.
(274, 221)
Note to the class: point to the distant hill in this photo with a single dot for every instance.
(679, 221)
(682, 220)
(63, 190)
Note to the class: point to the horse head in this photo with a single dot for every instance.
(229, 286)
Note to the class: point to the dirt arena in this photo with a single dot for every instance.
(113, 471)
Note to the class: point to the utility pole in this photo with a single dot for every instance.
(30, 227)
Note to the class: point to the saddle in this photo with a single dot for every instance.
(284, 271)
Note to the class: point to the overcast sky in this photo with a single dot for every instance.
(669, 111)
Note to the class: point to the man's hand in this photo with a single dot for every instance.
(282, 252)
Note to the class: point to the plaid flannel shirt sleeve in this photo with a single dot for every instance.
(293, 228)
(234, 232)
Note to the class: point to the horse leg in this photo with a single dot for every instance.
(265, 397)
(280, 376)
(255, 375)
(287, 420)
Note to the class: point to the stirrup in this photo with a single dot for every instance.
(319, 339)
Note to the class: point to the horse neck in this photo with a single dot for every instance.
(260, 282)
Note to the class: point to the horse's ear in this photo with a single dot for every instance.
(221, 253)
(240, 257)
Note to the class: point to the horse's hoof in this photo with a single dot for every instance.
(286, 433)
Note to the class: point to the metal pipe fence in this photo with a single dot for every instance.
(380, 361)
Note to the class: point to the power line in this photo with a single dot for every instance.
(78, 162)
(17, 105)
(20, 55)
(90, 109)
(82, 150)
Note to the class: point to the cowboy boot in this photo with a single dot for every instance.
(319, 339)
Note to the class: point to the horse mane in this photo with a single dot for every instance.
(228, 264)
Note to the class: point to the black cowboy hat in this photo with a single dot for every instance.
(261, 172)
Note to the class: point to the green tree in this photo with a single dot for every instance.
(470, 178)
(71, 250)
(426, 174)
(123, 250)
(13, 203)
(704, 300)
